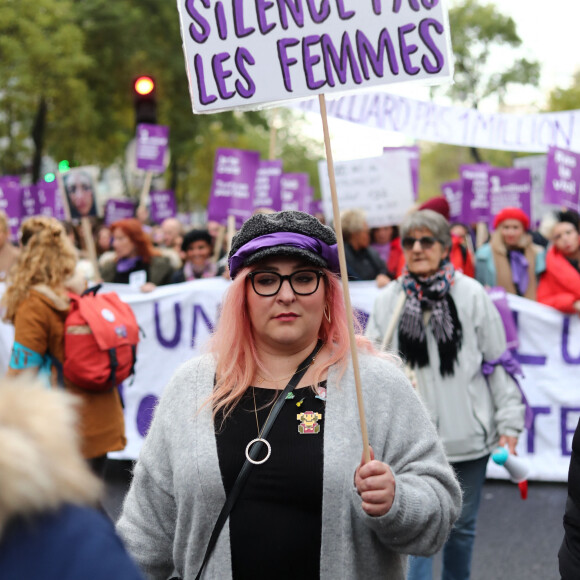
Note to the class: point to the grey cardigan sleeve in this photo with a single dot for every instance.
(427, 495)
(147, 523)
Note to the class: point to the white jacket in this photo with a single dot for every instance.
(469, 413)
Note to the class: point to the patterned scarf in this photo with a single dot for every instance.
(432, 294)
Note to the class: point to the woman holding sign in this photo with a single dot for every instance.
(273, 403)
(446, 327)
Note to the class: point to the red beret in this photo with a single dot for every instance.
(511, 213)
(438, 204)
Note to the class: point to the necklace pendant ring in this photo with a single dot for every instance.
(249, 445)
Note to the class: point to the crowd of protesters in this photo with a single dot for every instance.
(433, 282)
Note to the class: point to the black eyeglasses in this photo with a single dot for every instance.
(426, 242)
(302, 282)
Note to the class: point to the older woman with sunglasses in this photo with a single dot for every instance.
(276, 395)
(446, 328)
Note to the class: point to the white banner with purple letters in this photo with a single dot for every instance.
(177, 321)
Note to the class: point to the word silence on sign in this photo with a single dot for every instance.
(246, 53)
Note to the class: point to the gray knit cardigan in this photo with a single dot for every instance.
(177, 491)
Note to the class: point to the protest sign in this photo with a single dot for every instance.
(49, 200)
(475, 192)
(79, 187)
(509, 188)
(151, 147)
(414, 157)
(163, 205)
(29, 201)
(232, 189)
(429, 121)
(119, 209)
(178, 319)
(562, 178)
(295, 192)
(381, 186)
(10, 203)
(453, 193)
(267, 186)
(243, 54)
(537, 165)
(316, 208)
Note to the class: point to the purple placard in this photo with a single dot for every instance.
(29, 201)
(475, 192)
(562, 178)
(163, 205)
(232, 189)
(295, 191)
(10, 203)
(50, 201)
(414, 162)
(119, 209)
(453, 192)
(316, 207)
(267, 186)
(509, 188)
(151, 147)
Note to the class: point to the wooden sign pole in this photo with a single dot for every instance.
(90, 245)
(344, 276)
(146, 187)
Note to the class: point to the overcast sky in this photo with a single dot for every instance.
(549, 33)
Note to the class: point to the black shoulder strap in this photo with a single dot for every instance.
(254, 452)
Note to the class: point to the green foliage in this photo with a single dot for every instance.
(81, 57)
(566, 99)
(41, 57)
(477, 32)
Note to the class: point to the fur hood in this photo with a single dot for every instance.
(41, 467)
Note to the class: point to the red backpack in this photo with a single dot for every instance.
(100, 341)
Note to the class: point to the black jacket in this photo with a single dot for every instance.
(569, 554)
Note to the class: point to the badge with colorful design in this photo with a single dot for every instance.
(309, 422)
(321, 394)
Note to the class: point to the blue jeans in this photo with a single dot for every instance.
(459, 546)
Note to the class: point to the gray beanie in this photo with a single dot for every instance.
(263, 236)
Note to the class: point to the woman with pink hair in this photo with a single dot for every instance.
(268, 419)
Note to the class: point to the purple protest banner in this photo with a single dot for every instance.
(453, 192)
(151, 147)
(295, 191)
(232, 189)
(562, 178)
(509, 187)
(414, 161)
(163, 205)
(10, 203)
(267, 186)
(119, 209)
(475, 192)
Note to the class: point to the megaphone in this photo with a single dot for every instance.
(517, 467)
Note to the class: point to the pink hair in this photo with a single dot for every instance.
(237, 359)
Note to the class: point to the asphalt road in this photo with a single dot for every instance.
(516, 539)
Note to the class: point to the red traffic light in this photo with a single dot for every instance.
(144, 85)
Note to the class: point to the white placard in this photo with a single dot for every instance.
(242, 54)
(381, 186)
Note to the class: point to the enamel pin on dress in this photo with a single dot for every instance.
(309, 422)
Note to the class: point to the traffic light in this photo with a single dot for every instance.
(145, 100)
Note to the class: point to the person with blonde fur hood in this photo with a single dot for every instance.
(49, 527)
